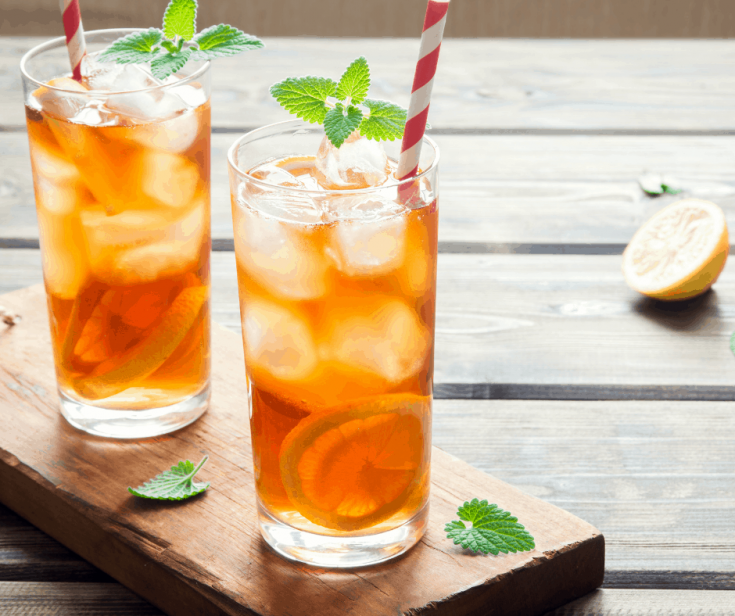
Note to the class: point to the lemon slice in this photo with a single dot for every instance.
(679, 253)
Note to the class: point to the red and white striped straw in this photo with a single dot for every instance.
(72, 19)
(423, 82)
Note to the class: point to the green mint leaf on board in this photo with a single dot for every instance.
(355, 82)
(176, 484)
(341, 122)
(168, 63)
(386, 121)
(180, 19)
(305, 97)
(670, 189)
(492, 530)
(135, 48)
(223, 40)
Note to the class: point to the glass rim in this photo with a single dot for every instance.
(325, 191)
(60, 41)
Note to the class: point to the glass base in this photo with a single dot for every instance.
(134, 424)
(341, 552)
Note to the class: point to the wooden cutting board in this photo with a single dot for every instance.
(206, 556)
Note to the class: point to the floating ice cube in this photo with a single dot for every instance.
(358, 163)
(278, 255)
(174, 135)
(146, 106)
(169, 179)
(380, 335)
(371, 246)
(96, 114)
(277, 341)
(365, 207)
(62, 103)
(193, 94)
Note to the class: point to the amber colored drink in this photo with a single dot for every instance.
(123, 214)
(337, 306)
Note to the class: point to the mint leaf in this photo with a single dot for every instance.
(180, 19)
(670, 189)
(305, 97)
(732, 343)
(385, 122)
(339, 125)
(223, 40)
(492, 530)
(168, 63)
(354, 82)
(135, 48)
(176, 484)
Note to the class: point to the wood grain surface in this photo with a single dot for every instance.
(207, 556)
(381, 18)
(481, 84)
(540, 326)
(501, 190)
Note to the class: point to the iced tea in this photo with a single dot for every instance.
(122, 193)
(337, 298)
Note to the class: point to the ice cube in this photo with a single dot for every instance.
(169, 179)
(193, 94)
(361, 207)
(63, 103)
(174, 135)
(113, 77)
(280, 256)
(65, 265)
(57, 181)
(358, 163)
(134, 247)
(373, 246)
(277, 341)
(379, 335)
(94, 113)
(284, 204)
(147, 106)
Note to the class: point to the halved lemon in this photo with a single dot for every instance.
(351, 468)
(679, 252)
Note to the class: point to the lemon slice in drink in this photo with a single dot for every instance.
(679, 253)
(353, 467)
(117, 374)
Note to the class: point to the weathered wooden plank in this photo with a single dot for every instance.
(207, 556)
(481, 83)
(653, 480)
(56, 599)
(609, 602)
(63, 599)
(538, 18)
(494, 189)
(526, 326)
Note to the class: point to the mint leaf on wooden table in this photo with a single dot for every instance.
(654, 184)
(175, 484)
(168, 50)
(491, 530)
(354, 82)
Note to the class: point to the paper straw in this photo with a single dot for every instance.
(423, 81)
(72, 19)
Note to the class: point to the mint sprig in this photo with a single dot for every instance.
(175, 484)
(168, 50)
(492, 530)
(342, 107)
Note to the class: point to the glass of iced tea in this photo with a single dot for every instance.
(121, 171)
(336, 265)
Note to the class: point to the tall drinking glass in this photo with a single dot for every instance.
(337, 296)
(121, 170)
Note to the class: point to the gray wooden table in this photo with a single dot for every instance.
(551, 374)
